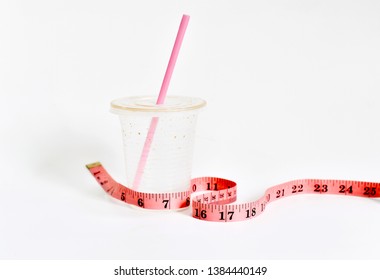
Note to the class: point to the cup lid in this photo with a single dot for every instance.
(148, 104)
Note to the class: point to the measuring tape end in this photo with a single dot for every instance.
(92, 165)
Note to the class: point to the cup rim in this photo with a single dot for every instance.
(146, 103)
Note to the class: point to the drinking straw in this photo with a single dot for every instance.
(161, 99)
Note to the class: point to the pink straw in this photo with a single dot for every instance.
(161, 99)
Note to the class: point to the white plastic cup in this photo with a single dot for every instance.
(169, 162)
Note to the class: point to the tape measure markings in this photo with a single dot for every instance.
(214, 203)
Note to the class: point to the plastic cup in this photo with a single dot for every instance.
(169, 160)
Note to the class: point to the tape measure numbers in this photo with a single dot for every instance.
(214, 205)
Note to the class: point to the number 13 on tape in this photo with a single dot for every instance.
(217, 194)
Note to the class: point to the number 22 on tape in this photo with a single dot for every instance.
(214, 205)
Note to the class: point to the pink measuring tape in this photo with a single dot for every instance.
(214, 204)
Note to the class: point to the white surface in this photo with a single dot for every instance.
(292, 90)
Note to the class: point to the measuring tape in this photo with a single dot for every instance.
(214, 203)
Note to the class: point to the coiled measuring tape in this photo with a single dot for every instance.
(214, 204)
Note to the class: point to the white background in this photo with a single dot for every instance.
(292, 90)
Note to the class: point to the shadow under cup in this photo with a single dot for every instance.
(158, 141)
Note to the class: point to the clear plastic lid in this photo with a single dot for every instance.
(148, 104)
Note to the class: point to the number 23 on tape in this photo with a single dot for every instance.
(214, 205)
